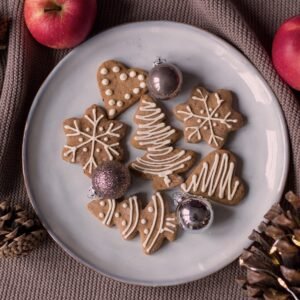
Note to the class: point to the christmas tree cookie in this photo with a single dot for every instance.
(214, 178)
(162, 162)
(154, 223)
(208, 116)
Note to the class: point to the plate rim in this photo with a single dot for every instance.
(78, 258)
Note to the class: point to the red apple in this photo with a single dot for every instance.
(286, 52)
(60, 23)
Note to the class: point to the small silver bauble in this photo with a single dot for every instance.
(164, 80)
(194, 213)
(110, 179)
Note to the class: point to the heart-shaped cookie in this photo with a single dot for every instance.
(120, 86)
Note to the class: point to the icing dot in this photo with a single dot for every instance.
(127, 96)
(111, 112)
(205, 128)
(105, 81)
(201, 111)
(216, 115)
(198, 121)
(123, 76)
(97, 150)
(103, 71)
(117, 215)
(124, 205)
(101, 215)
(132, 74)
(80, 139)
(214, 124)
(116, 69)
(100, 128)
(108, 92)
(141, 77)
(119, 103)
(111, 102)
(136, 90)
(143, 221)
(102, 203)
(146, 231)
(150, 209)
(87, 129)
(124, 223)
(65, 154)
(210, 109)
(105, 139)
(84, 149)
(142, 85)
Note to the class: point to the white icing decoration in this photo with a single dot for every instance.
(108, 92)
(80, 139)
(150, 209)
(93, 139)
(101, 128)
(115, 69)
(214, 124)
(102, 203)
(136, 90)
(146, 231)
(105, 139)
(156, 136)
(142, 85)
(117, 215)
(88, 129)
(125, 205)
(124, 223)
(141, 77)
(101, 215)
(207, 119)
(123, 76)
(119, 103)
(148, 243)
(112, 112)
(111, 102)
(105, 81)
(85, 149)
(132, 74)
(110, 212)
(127, 96)
(97, 150)
(216, 179)
(205, 127)
(103, 71)
(134, 210)
(143, 221)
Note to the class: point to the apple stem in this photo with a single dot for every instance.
(52, 8)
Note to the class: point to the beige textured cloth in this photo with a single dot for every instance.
(49, 273)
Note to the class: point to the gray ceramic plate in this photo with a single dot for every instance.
(58, 190)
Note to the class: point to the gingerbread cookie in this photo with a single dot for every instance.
(161, 162)
(214, 178)
(120, 86)
(154, 223)
(125, 215)
(92, 139)
(208, 116)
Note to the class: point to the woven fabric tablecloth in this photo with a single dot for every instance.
(49, 273)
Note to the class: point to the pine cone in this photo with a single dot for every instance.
(19, 231)
(273, 260)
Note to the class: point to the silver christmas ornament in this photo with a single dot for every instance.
(194, 213)
(164, 80)
(110, 179)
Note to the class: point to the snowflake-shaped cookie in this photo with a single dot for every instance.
(92, 139)
(208, 116)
